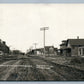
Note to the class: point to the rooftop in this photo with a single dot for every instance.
(76, 41)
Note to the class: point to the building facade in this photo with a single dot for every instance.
(72, 47)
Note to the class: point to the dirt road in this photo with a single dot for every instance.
(36, 68)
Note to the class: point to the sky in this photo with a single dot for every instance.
(20, 24)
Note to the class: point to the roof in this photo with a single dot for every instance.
(64, 41)
(49, 46)
(76, 41)
(63, 44)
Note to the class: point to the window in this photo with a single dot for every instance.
(79, 51)
(83, 51)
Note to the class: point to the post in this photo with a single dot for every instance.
(35, 52)
(35, 45)
(43, 29)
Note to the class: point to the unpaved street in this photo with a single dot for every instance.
(37, 68)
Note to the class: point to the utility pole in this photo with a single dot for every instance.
(43, 29)
(35, 45)
(35, 48)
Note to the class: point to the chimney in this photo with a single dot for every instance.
(77, 37)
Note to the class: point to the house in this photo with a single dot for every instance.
(38, 51)
(72, 47)
(48, 50)
(63, 47)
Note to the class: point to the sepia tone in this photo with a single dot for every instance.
(41, 42)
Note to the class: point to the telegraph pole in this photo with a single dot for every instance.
(35, 48)
(35, 45)
(43, 29)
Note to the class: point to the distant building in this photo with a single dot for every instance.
(72, 47)
(48, 50)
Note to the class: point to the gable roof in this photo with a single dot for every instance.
(64, 41)
(49, 46)
(63, 44)
(76, 41)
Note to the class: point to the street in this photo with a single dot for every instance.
(37, 68)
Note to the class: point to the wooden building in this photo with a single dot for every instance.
(72, 47)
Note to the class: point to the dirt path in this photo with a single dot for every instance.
(6, 73)
(38, 69)
(42, 70)
(8, 62)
